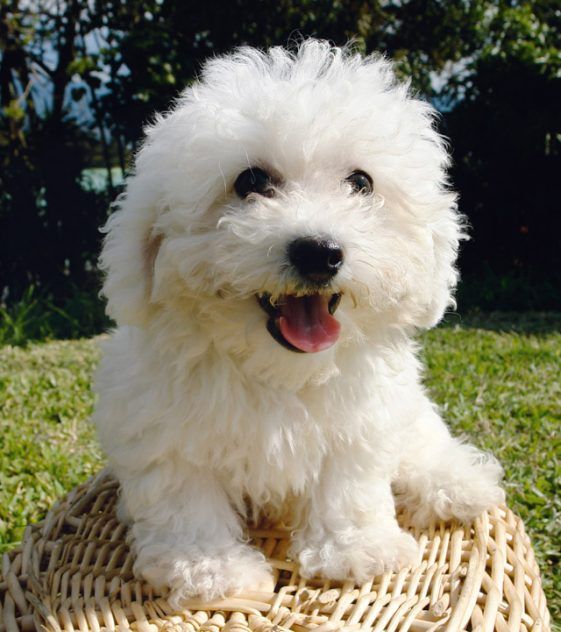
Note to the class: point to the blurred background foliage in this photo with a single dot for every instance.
(79, 78)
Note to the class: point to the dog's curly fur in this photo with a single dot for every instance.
(200, 409)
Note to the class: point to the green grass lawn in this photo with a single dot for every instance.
(497, 379)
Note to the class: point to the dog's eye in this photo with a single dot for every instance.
(360, 182)
(254, 180)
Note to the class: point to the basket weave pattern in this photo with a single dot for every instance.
(73, 571)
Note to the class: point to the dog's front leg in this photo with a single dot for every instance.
(443, 477)
(349, 527)
(186, 535)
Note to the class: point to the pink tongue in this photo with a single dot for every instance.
(307, 324)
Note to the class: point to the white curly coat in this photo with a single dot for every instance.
(201, 412)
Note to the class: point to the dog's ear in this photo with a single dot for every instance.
(129, 253)
(446, 232)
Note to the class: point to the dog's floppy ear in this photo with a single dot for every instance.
(447, 232)
(129, 253)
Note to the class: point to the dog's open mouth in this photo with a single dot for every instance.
(302, 323)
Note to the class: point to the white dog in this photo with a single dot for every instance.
(287, 230)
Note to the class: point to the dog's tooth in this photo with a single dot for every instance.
(334, 303)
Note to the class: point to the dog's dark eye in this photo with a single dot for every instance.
(254, 180)
(360, 182)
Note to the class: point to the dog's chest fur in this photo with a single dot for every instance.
(263, 442)
(271, 442)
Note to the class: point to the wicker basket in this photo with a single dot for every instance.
(74, 572)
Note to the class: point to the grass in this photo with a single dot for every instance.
(496, 378)
(46, 446)
(36, 315)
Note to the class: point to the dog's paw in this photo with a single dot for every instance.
(462, 488)
(372, 552)
(465, 502)
(206, 574)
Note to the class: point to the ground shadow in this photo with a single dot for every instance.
(535, 323)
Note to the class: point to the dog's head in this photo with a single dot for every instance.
(291, 204)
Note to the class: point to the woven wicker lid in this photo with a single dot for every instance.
(73, 571)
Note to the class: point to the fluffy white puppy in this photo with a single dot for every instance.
(287, 230)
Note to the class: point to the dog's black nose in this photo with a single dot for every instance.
(316, 260)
